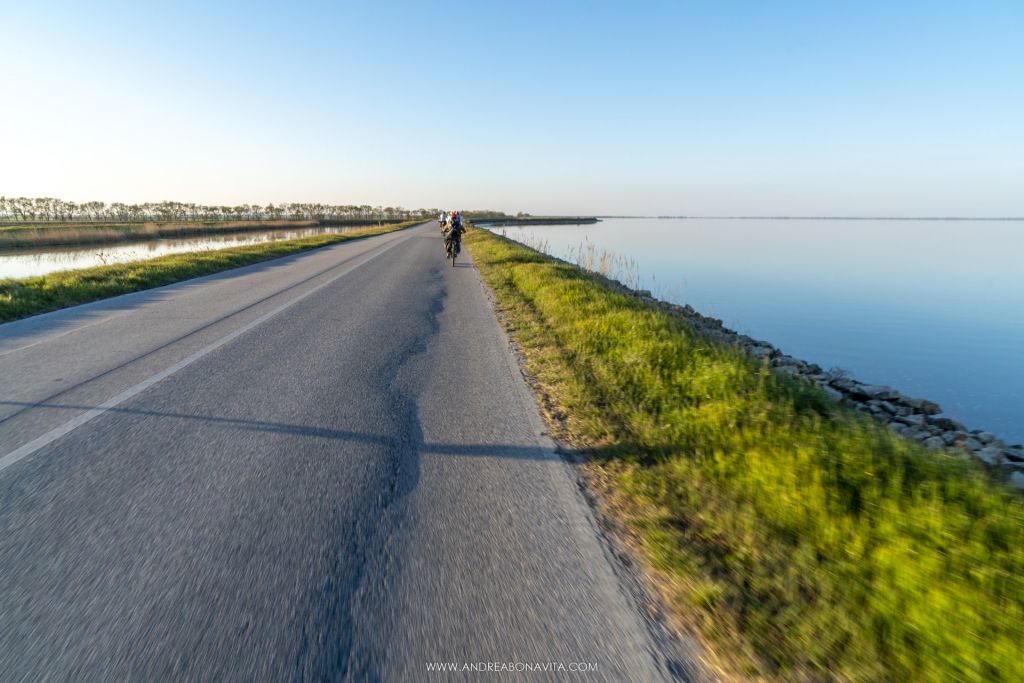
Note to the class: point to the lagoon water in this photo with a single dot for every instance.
(934, 308)
(17, 263)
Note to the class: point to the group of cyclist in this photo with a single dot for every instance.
(452, 229)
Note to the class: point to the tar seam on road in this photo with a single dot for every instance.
(49, 437)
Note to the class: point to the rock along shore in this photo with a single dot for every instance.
(915, 418)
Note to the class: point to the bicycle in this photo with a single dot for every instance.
(452, 245)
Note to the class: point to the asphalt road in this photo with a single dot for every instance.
(324, 467)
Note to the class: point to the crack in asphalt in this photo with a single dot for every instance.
(351, 655)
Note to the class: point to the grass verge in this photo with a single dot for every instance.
(29, 296)
(799, 537)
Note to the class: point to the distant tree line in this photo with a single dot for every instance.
(42, 209)
(480, 214)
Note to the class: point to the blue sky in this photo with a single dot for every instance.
(712, 108)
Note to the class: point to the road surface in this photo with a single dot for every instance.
(323, 467)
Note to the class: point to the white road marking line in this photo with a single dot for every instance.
(49, 437)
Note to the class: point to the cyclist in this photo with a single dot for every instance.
(453, 235)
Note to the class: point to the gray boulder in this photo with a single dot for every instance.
(912, 420)
(832, 393)
(854, 390)
(887, 407)
(954, 438)
(901, 409)
(881, 392)
(973, 444)
(946, 424)
(990, 455)
(923, 406)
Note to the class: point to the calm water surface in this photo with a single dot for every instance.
(18, 263)
(933, 308)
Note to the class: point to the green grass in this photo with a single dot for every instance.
(799, 537)
(28, 296)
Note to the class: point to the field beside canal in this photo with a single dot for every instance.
(29, 296)
(801, 539)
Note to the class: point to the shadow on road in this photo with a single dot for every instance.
(312, 431)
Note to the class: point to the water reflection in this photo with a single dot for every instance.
(20, 263)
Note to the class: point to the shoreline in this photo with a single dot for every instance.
(537, 220)
(917, 419)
